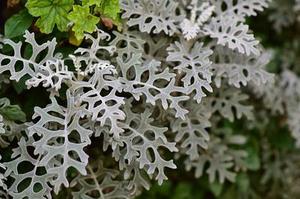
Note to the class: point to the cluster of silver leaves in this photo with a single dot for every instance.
(282, 97)
(284, 13)
(160, 61)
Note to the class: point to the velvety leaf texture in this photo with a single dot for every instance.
(177, 85)
(61, 140)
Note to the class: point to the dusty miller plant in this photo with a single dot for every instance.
(150, 94)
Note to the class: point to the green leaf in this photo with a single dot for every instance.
(110, 9)
(281, 140)
(216, 188)
(83, 21)
(20, 86)
(13, 113)
(243, 183)
(17, 24)
(230, 193)
(252, 160)
(183, 191)
(91, 2)
(50, 13)
(164, 189)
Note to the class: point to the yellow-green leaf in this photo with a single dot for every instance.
(91, 2)
(73, 40)
(110, 9)
(83, 21)
(50, 13)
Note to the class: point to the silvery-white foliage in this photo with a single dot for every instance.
(219, 166)
(282, 15)
(103, 107)
(239, 69)
(290, 84)
(192, 132)
(158, 86)
(130, 43)
(127, 43)
(140, 139)
(152, 62)
(100, 183)
(189, 30)
(293, 123)
(297, 6)
(61, 139)
(29, 66)
(271, 94)
(282, 97)
(281, 166)
(290, 58)
(290, 89)
(194, 65)
(2, 178)
(53, 75)
(2, 130)
(228, 25)
(199, 15)
(152, 16)
(37, 173)
(231, 32)
(297, 9)
(274, 165)
(239, 8)
(4, 194)
(131, 171)
(221, 159)
(229, 102)
(99, 131)
(86, 59)
(137, 179)
(155, 47)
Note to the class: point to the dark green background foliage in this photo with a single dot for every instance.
(269, 144)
